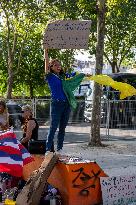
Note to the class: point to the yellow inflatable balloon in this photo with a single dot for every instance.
(125, 89)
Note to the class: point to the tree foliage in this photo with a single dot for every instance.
(120, 32)
(22, 23)
(22, 27)
(120, 29)
(18, 20)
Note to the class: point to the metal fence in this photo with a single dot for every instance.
(117, 116)
(42, 111)
(121, 113)
(120, 118)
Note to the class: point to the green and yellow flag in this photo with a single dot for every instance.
(70, 85)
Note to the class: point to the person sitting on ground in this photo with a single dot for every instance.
(30, 126)
(4, 116)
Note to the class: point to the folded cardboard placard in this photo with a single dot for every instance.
(118, 190)
(67, 34)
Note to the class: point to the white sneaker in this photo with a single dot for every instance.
(61, 152)
(46, 153)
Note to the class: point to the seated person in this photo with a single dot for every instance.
(30, 126)
(4, 116)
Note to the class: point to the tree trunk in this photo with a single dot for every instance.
(10, 77)
(115, 68)
(11, 52)
(95, 138)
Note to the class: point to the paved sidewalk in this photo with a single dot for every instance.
(110, 159)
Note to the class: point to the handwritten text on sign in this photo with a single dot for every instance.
(119, 190)
(67, 34)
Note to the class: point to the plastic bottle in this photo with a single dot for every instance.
(52, 201)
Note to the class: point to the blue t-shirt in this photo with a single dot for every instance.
(55, 85)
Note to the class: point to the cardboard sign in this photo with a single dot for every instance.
(119, 190)
(67, 34)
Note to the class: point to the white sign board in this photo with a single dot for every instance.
(119, 190)
(67, 34)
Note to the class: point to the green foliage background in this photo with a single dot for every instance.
(22, 24)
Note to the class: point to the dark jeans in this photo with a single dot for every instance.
(60, 111)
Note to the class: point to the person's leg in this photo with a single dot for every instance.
(63, 123)
(55, 119)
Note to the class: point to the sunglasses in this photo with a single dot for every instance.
(22, 111)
